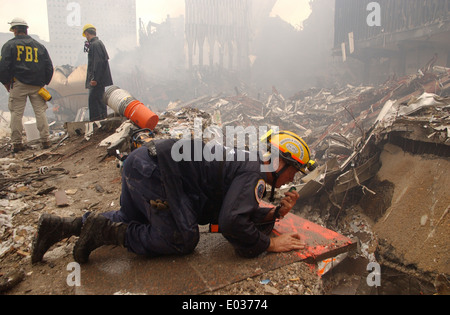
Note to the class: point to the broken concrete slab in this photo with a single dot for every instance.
(212, 266)
(87, 128)
(423, 101)
(120, 138)
(420, 188)
(61, 198)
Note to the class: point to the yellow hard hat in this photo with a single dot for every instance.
(293, 149)
(86, 27)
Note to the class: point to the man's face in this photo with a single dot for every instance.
(88, 36)
(287, 177)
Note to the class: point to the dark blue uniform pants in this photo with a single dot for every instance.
(97, 109)
(150, 232)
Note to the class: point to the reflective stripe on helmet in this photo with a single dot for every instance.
(292, 148)
(299, 139)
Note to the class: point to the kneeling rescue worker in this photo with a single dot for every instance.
(164, 201)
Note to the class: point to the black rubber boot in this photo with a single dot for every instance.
(96, 232)
(51, 230)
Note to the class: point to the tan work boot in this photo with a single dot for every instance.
(46, 145)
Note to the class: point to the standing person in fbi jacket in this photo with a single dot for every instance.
(25, 68)
(165, 198)
(98, 73)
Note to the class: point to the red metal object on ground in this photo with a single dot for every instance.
(321, 243)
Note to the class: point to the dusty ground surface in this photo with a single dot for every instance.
(296, 279)
(92, 182)
(417, 223)
(410, 231)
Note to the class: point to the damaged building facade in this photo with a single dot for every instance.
(221, 28)
(116, 26)
(382, 147)
(392, 37)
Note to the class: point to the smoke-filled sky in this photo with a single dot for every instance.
(35, 12)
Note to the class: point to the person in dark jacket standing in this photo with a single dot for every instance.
(98, 73)
(25, 68)
(167, 194)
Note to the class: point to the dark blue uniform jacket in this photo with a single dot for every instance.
(201, 188)
(98, 65)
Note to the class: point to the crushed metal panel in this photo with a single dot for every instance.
(310, 189)
(423, 101)
(315, 181)
(364, 172)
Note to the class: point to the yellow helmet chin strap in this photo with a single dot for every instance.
(266, 139)
(276, 175)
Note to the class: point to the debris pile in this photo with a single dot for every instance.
(331, 120)
(344, 127)
(347, 128)
(358, 187)
(68, 91)
(21, 192)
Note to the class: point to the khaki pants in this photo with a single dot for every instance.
(17, 102)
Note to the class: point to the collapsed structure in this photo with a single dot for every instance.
(372, 142)
(392, 37)
(69, 92)
(383, 152)
(224, 24)
(383, 149)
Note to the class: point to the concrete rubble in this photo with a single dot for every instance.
(341, 125)
(333, 121)
(345, 128)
